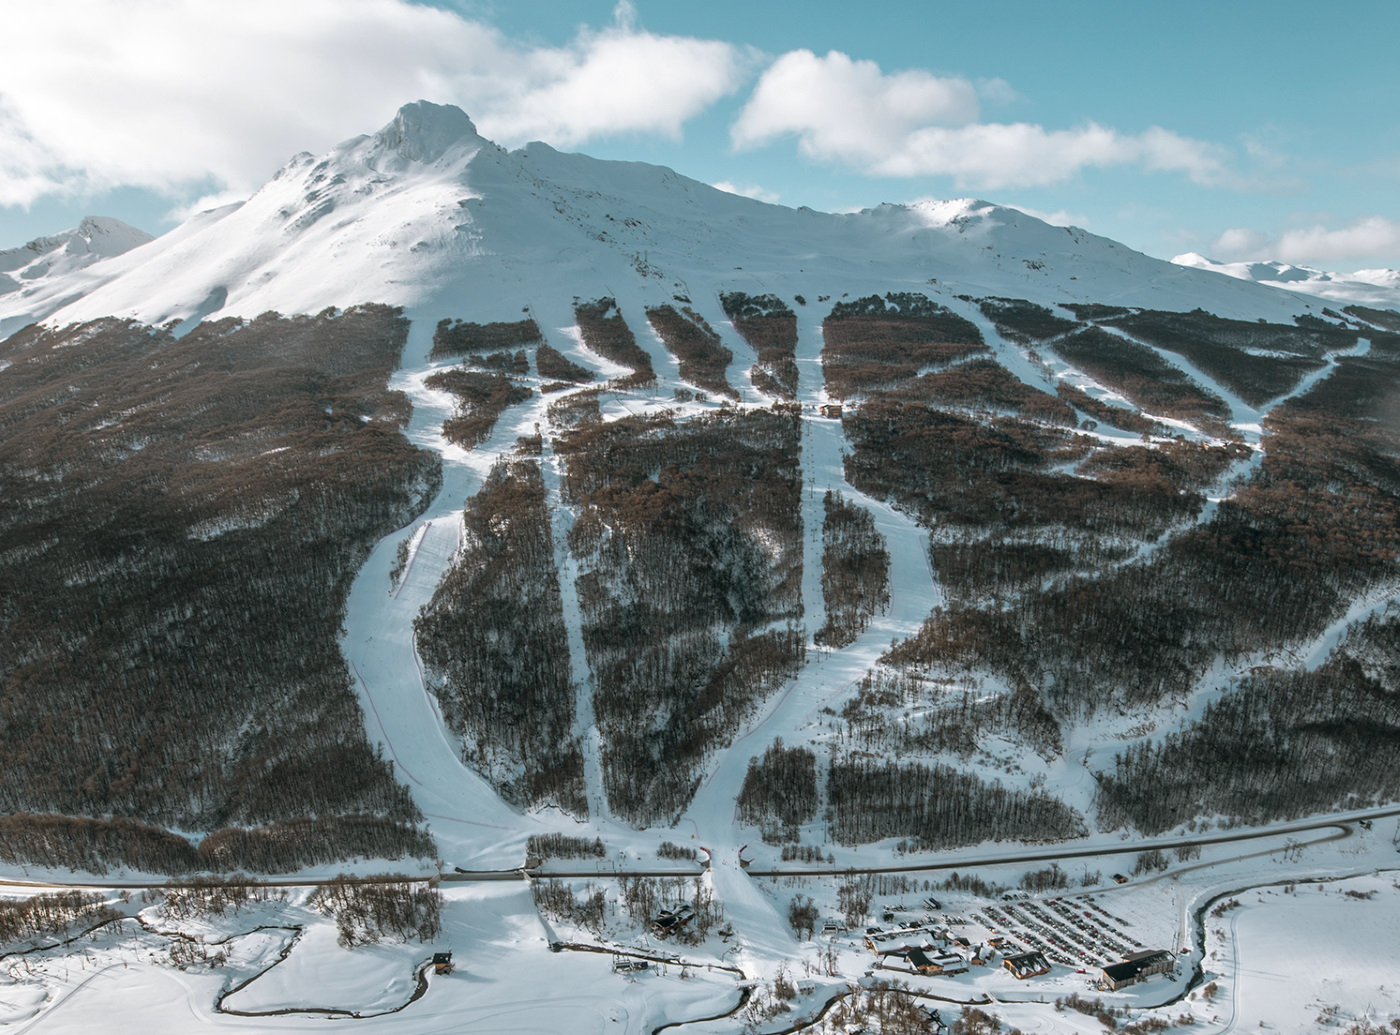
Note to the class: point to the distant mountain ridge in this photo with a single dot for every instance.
(426, 208)
(1369, 287)
(51, 257)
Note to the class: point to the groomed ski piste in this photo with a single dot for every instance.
(430, 216)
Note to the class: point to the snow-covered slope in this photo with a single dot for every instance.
(29, 272)
(426, 207)
(1369, 287)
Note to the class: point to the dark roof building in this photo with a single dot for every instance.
(1026, 965)
(1135, 968)
(937, 963)
(668, 920)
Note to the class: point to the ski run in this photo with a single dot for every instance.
(428, 215)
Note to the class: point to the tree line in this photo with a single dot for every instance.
(185, 519)
(855, 571)
(686, 529)
(495, 648)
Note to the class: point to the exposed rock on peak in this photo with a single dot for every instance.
(423, 131)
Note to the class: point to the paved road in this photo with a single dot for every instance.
(1341, 821)
(1051, 854)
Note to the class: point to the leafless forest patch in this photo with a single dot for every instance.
(937, 806)
(1256, 361)
(855, 571)
(1278, 745)
(770, 327)
(496, 649)
(690, 536)
(184, 520)
(875, 344)
(606, 333)
(703, 357)
(556, 366)
(1106, 413)
(1143, 376)
(780, 791)
(1024, 322)
(1317, 525)
(452, 338)
(481, 399)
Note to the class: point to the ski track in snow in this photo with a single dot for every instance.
(480, 234)
(379, 641)
(1174, 716)
(474, 827)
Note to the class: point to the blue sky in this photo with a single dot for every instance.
(1242, 130)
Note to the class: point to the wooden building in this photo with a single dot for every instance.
(1026, 965)
(442, 962)
(669, 920)
(935, 962)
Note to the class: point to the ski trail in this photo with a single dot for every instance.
(474, 828)
(566, 568)
(793, 714)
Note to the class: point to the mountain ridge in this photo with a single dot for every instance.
(1370, 287)
(426, 208)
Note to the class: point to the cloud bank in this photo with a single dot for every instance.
(913, 123)
(176, 95)
(189, 97)
(1365, 238)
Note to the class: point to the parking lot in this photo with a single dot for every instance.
(1072, 931)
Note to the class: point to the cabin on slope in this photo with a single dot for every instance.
(668, 921)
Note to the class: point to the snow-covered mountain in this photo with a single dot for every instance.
(1368, 287)
(27, 271)
(427, 208)
(569, 561)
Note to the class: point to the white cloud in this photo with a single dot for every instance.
(747, 190)
(914, 123)
(1060, 217)
(186, 95)
(204, 203)
(1366, 238)
(1240, 241)
(1371, 237)
(847, 110)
